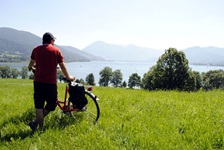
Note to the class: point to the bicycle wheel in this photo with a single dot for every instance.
(90, 112)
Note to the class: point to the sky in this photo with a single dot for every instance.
(157, 24)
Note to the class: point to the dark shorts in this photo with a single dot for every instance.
(45, 92)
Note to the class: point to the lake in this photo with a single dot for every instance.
(82, 69)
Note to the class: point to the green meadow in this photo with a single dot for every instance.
(130, 119)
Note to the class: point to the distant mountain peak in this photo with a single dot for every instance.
(119, 52)
(205, 55)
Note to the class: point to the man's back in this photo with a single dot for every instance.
(47, 58)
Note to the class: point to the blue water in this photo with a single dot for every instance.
(82, 69)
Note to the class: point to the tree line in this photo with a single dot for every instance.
(171, 72)
(7, 72)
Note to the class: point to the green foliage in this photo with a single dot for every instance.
(147, 79)
(14, 73)
(90, 79)
(13, 52)
(24, 72)
(5, 71)
(198, 78)
(172, 70)
(134, 81)
(213, 79)
(130, 119)
(105, 76)
(124, 84)
(60, 75)
(117, 78)
(170, 73)
(82, 81)
(31, 76)
(190, 83)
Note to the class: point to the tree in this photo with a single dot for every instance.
(24, 72)
(134, 80)
(14, 73)
(213, 79)
(171, 72)
(5, 71)
(82, 81)
(105, 76)
(147, 80)
(117, 78)
(198, 77)
(90, 79)
(31, 76)
(124, 84)
(60, 75)
(190, 83)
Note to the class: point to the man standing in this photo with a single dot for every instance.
(46, 58)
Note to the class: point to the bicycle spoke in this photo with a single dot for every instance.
(90, 112)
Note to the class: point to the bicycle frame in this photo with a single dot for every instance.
(62, 104)
(91, 110)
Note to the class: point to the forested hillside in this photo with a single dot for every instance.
(16, 46)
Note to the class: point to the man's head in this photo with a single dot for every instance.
(48, 38)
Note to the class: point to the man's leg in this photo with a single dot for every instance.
(51, 99)
(46, 112)
(40, 117)
(40, 114)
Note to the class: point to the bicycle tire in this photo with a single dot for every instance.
(92, 112)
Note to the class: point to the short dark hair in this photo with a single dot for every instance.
(47, 37)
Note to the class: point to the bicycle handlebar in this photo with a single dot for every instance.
(89, 88)
(65, 79)
(68, 81)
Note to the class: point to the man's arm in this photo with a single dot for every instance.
(65, 71)
(30, 66)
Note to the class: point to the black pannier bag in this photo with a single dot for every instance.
(77, 95)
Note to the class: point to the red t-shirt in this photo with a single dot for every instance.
(47, 57)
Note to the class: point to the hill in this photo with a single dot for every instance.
(17, 45)
(125, 53)
(81, 54)
(205, 55)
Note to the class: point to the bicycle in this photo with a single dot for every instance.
(91, 110)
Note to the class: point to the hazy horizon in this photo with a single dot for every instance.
(146, 23)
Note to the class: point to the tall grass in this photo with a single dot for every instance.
(130, 119)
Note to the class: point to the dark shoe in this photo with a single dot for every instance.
(33, 125)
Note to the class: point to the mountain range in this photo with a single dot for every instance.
(17, 45)
(125, 53)
(211, 55)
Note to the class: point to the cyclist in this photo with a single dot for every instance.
(46, 58)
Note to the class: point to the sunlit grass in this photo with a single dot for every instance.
(130, 119)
